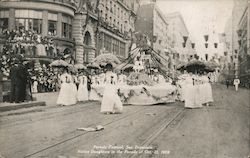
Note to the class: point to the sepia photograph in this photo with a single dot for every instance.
(124, 78)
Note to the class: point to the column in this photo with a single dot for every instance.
(45, 23)
(11, 19)
(78, 36)
(59, 25)
(1, 87)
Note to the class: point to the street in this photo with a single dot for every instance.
(221, 130)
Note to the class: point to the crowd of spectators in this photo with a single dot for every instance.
(23, 43)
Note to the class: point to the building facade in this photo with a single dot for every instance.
(177, 30)
(244, 47)
(151, 22)
(103, 26)
(51, 18)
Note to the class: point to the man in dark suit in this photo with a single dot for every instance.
(14, 90)
(18, 82)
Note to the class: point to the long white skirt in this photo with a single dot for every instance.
(191, 94)
(206, 93)
(82, 93)
(111, 102)
(66, 97)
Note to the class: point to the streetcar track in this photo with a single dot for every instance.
(60, 114)
(84, 133)
(158, 131)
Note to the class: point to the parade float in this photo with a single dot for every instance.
(146, 82)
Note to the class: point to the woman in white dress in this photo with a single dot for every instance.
(82, 93)
(111, 102)
(65, 96)
(207, 96)
(73, 87)
(191, 93)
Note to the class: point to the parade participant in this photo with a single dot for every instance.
(89, 82)
(236, 83)
(206, 91)
(138, 65)
(101, 77)
(73, 87)
(227, 83)
(65, 96)
(122, 78)
(111, 102)
(82, 93)
(191, 92)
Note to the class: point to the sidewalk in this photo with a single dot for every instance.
(41, 99)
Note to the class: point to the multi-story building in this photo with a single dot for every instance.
(151, 22)
(106, 26)
(52, 18)
(177, 30)
(244, 46)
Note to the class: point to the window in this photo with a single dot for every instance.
(52, 28)
(4, 16)
(107, 42)
(122, 49)
(66, 27)
(29, 24)
(3, 24)
(28, 20)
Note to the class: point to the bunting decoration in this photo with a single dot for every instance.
(206, 57)
(154, 38)
(239, 41)
(193, 45)
(206, 37)
(222, 37)
(206, 45)
(185, 39)
(215, 45)
(239, 32)
(184, 45)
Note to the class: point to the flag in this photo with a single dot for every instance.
(239, 41)
(206, 57)
(206, 37)
(206, 45)
(184, 45)
(222, 37)
(185, 38)
(215, 45)
(193, 45)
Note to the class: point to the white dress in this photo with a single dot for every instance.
(206, 91)
(73, 89)
(82, 93)
(93, 95)
(66, 97)
(111, 102)
(191, 95)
